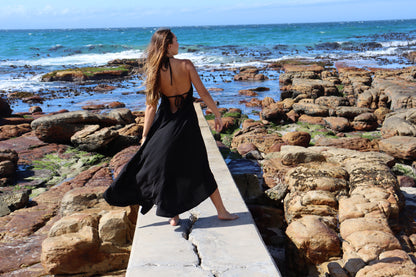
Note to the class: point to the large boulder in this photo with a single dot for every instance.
(313, 238)
(401, 93)
(400, 123)
(61, 127)
(89, 242)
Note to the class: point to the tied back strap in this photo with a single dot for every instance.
(178, 99)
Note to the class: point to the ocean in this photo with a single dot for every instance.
(25, 55)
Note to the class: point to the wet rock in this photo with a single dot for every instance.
(115, 105)
(15, 120)
(406, 181)
(104, 87)
(61, 127)
(249, 186)
(411, 56)
(402, 147)
(33, 99)
(247, 92)
(35, 109)
(249, 74)
(86, 73)
(11, 131)
(121, 158)
(93, 107)
(4, 108)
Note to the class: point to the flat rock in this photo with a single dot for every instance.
(402, 147)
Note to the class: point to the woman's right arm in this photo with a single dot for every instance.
(149, 116)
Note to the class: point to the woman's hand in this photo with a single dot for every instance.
(218, 124)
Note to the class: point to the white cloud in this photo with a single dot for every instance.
(15, 10)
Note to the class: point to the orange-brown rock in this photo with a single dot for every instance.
(339, 124)
(314, 238)
(10, 131)
(299, 138)
(353, 143)
(311, 119)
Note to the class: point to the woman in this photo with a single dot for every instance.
(171, 168)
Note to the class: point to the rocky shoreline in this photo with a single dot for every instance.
(337, 153)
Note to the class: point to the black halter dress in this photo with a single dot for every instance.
(171, 168)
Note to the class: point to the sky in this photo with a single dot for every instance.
(57, 14)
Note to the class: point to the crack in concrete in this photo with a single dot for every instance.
(188, 229)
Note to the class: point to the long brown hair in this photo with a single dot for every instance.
(156, 59)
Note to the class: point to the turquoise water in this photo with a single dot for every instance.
(27, 54)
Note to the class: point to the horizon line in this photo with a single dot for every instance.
(208, 25)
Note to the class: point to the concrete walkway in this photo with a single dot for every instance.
(202, 245)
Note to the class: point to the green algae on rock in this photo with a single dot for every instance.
(86, 73)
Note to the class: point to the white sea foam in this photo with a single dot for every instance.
(398, 43)
(388, 51)
(80, 59)
(28, 84)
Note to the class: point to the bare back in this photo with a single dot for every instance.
(175, 80)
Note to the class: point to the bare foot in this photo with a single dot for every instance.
(227, 216)
(174, 220)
